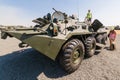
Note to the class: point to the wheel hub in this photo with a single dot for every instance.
(76, 57)
(92, 47)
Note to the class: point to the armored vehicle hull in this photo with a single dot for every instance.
(61, 37)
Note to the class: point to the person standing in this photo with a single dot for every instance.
(89, 17)
(112, 37)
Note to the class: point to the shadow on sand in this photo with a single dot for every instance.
(28, 65)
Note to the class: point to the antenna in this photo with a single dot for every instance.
(78, 8)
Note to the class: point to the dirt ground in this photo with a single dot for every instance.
(28, 64)
(117, 31)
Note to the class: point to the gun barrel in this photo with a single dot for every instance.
(54, 9)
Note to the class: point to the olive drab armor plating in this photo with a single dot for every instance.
(66, 39)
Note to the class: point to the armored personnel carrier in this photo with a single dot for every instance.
(61, 37)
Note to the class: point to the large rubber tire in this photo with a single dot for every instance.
(90, 46)
(105, 38)
(102, 38)
(72, 55)
(99, 39)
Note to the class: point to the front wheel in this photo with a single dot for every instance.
(72, 55)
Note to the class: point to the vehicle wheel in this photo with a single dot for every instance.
(104, 39)
(72, 55)
(99, 38)
(3, 35)
(90, 46)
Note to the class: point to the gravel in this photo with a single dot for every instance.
(28, 64)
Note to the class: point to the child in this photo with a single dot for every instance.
(112, 37)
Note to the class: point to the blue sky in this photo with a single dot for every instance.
(21, 12)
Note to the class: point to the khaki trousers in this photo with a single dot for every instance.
(112, 44)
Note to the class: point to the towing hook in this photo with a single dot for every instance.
(22, 45)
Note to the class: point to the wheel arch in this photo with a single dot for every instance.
(81, 37)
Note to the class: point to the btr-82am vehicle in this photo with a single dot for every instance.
(61, 37)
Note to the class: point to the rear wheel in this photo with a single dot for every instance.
(105, 38)
(72, 55)
(90, 46)
(102, 39)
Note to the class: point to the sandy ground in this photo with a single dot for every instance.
(28, 64)
(117, 31)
